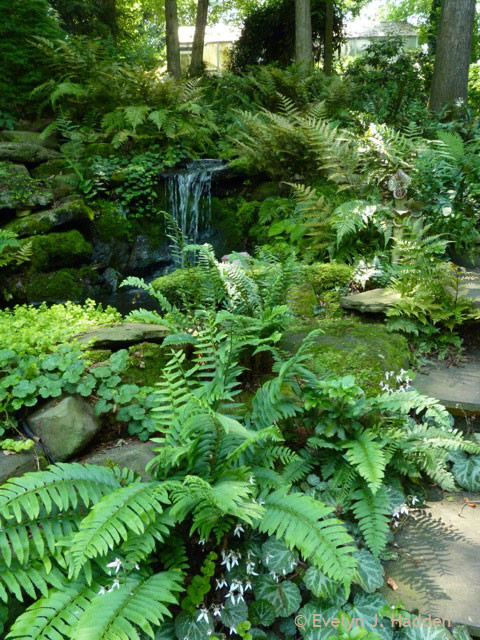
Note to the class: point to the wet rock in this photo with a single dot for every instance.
(25, 153)
(123, 335)
(65, 426)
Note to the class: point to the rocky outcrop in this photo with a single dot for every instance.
(374, 301)
(132, 455)
(16, 464)
(29, 137)
(44, 221)
(65, 426)
(26, 153)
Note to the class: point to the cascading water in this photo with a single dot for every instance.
(189, 195)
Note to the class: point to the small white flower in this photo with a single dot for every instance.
(237, 532)
(230, 596)
(268, 556)
(251, 480)
(232, 630)
(203, 615)
(217, 610)
(202, 542)
(137, 567)
(247, 586)
(404, 510)
(274, 576)
(115, 585)
(251, 569)
(415, 500)
(221, 583)
(102, 591)
(116, 565)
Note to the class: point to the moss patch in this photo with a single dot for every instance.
(58, 286)
(351, 347)
(42, 222)
(59, 250)
(327, 276)
(145, 364)
(181, 286)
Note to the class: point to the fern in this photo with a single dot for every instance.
(372, 513)
(366, 455)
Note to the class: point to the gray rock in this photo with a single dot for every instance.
(374, 301)
(11, 199)
(123, 335)
(133, 455)
(29, 137)
(65, 426)
(25, 153)
(456, 387)
(45, 221)
(438, 571)
(14, 465)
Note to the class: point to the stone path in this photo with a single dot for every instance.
(456, 387)
(438, 572)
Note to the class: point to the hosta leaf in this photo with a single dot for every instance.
(189, 628)
(261, 612)
(369, 572)
(284, 596)
(277, 557)
(319, 584)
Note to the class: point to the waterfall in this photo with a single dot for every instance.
(189, 195)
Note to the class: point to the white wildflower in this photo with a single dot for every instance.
(237, 532)
(116, 565)
(115, 585)
(203, 615)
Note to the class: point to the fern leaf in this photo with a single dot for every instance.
(366, 455)
(372, 512)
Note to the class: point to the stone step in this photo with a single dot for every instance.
(456, 387)
(438, 569)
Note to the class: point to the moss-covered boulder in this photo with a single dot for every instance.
(62, 185)
(351, 347)
(57, 286)
(316, 291)
(42, 222)
(180, 286)
(26, 153)
(58, 250)
(327, 276)
(29, 137)
(51, 168)
(18, 190)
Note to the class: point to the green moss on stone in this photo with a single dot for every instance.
(180, 286)
(110, 224)
(145, 364)
(42, 222)
(352, 347)
(57, 250)
(327, 276)
(55, 287)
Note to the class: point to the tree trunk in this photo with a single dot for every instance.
(433, 23)
(173, 47)
(196, 64)
(328, 41)
(303, 34)
(454, 52)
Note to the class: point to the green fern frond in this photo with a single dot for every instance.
(366, 456)
(372, 513)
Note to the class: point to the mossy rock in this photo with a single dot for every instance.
(26, 153)
(180, 286)
(351, 347)
(102, 149)
(56, 250)
(326, 276)
(63, 185)
(51, 168)
(58, 286)
(146, 362)
(40, 223)
(109, 223)
(29, 137)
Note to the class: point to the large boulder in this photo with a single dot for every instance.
(44, 221)
(374, 301)
(65, 426)
(132, 455)
(350, 347)
(26, 153)
(29, 137)
(58, 250)
(123, 335)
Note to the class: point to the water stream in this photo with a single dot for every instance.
(189, 195)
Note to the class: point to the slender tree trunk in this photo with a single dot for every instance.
(454, 52)
(328, 40)
(303, 34)
(173, 46)
(196, 63)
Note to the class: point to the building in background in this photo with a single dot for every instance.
(219, 40)
(361, 34)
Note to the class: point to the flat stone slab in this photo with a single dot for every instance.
(374, 301)
(123, 335)
(438, 572)
(456, 387)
